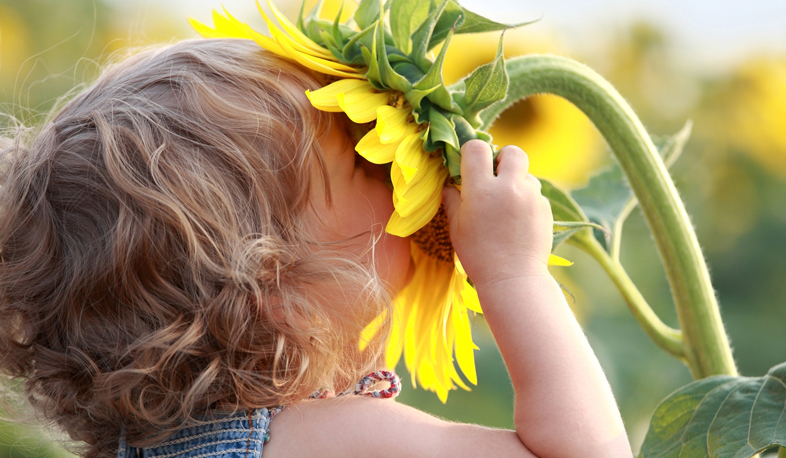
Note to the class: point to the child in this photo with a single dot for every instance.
(188, 244)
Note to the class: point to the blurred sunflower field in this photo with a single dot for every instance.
(732, 177)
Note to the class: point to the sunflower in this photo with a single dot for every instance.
(431, 320)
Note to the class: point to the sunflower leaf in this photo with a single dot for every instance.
(607, 199)
(720, 416)
(566, 212)
(466, 22)
(485, 86)
(405, 17)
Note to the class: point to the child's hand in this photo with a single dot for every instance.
(500, 226)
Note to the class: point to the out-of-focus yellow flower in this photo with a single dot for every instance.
(561, 142)
(757, 108)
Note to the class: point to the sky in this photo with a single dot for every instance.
(710, 34)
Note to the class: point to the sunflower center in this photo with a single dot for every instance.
(434, 237)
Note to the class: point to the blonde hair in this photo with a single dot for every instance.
(157, 259)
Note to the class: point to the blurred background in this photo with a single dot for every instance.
(721, 64)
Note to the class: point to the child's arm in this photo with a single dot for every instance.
(501, 229)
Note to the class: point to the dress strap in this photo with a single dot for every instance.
(362, 387)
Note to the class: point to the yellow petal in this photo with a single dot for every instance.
(427, 185)
(298, 37)
(410, 156)
(396, 342)
(392, 124)
(373, 151)
(361, 107)
(555, 260)
(464, 346)
(325, 98)
(405, 226)
(263, 41)
(205, 30)
(229, 25)
(316, 63)
(470, 297)
(371, 330)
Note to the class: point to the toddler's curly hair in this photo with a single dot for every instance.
(159, 258)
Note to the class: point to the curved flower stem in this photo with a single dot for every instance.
(667, 338)
(706, 347)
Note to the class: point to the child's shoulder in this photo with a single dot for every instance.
(360, 426)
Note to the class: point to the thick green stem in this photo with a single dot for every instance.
(667, 338)
(704, 340)
(781, 452)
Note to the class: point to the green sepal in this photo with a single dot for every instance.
(370, 57)
(352, 52)
(421, 115)
(408, 70)
(442, 128)
(464, 131)
(429, 146)
(434, 83)
(388, 76)
(416, 96)
(330, 43)
(452, 158)
(485, 136)
(421, 36)
(368, 13)
(394, 55)
(338, 37)
(312, 15)
(405, 17)
(468, 22)
(485, 86)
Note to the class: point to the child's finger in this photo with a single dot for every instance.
(477, 162)
(512, 162)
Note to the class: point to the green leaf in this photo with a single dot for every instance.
(466, 22)
(405, 17)
(671, 147)
(565, 211)
(485, 86)
(720, 417)
(608, 198)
